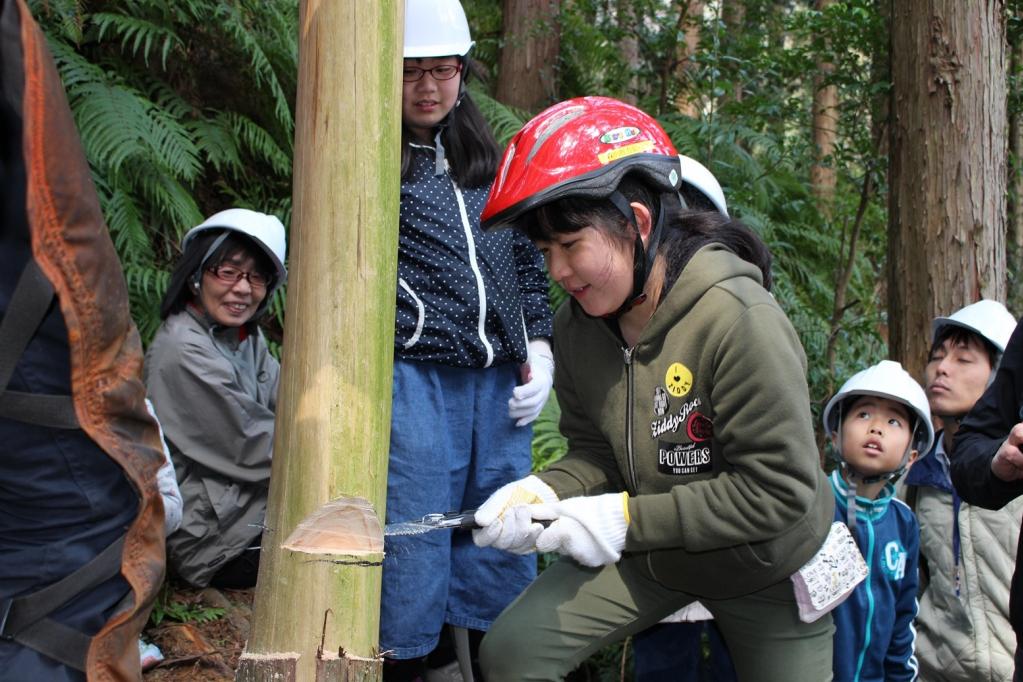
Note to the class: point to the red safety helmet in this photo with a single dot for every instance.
(584, 147)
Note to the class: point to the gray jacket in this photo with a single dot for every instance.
(215, 396)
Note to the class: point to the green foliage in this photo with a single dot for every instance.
(183, 109)
(182, 612)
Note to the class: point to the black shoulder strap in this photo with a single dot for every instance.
(24, 619)
(29, 303)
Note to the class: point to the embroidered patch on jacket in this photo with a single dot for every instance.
(894, 560)
(678, 379)
(699, 427)
(679, 459)
(661, 402)
(672, 422)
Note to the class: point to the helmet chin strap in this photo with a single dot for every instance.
(643, 256)
(853, 478)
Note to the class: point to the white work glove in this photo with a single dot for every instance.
(505, 516)
(538, 376)
(591, 530)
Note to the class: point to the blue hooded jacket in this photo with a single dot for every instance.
(874, 634)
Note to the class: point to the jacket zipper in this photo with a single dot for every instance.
(629, 456)
(474, 265)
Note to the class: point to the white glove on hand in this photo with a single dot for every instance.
(538, 374)
(505, 517)
(591, 530)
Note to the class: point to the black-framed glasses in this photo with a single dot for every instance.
(444, 72)
(229, 274)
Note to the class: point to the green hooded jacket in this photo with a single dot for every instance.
(706, 423)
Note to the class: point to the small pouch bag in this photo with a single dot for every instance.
(830, 576)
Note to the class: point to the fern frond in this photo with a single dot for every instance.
(141, 33)
(166, 193)
(260, 143)
(504, 120)
(216, 141)
(262, 69)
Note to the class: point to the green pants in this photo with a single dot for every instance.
(570, 612)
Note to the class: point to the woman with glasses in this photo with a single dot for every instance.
(213, 384)
(472, 365)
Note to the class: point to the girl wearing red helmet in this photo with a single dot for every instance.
(692, 471)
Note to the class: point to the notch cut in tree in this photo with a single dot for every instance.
(316, 615)
(347, 526)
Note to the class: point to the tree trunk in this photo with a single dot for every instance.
(733, 14)
(317, 616)
(690, 21)
(629, 47)
(1015, 229)
(948, 166)
(825, 131)
(527, 69)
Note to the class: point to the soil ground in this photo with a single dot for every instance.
(202, 649)
(207, 649)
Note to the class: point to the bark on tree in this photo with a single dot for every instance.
(629, 47)
(527, 68)
(317, 616)
(690, 20)
(948, 170)
(733, 13)
(1014, 250)
(825, 130)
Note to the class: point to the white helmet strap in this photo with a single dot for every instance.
(197, 275)
(854, 478)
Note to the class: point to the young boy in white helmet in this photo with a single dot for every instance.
(878, 423)
(967, 553)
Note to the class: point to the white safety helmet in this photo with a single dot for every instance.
(986, 318)
(696, 174)
(436, 28)
(886, 379)
(264, 229)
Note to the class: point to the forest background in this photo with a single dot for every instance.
(188, 107)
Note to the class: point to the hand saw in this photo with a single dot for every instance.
(455, 520)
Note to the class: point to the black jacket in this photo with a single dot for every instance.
(977, 441)
(465, 298)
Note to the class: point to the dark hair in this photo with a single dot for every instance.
(961, 335)
(469, 144)
(179, 291)
(686, 230)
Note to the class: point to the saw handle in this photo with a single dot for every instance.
(466, 520)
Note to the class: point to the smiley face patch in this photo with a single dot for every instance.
(678, 380)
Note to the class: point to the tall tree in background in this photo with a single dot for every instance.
(690, 23)
(529, 54)
(825, 129)
(316, 613)
(1014, 242)
(948, 170)
(733, 14)
(628, 18)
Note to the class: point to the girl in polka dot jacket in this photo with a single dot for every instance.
(473, 364)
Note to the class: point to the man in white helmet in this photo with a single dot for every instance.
(879, 423)
(987, 466)
(967, 553)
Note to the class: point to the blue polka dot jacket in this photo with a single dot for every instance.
(465, 298)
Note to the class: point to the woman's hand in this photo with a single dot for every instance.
(538, 374)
